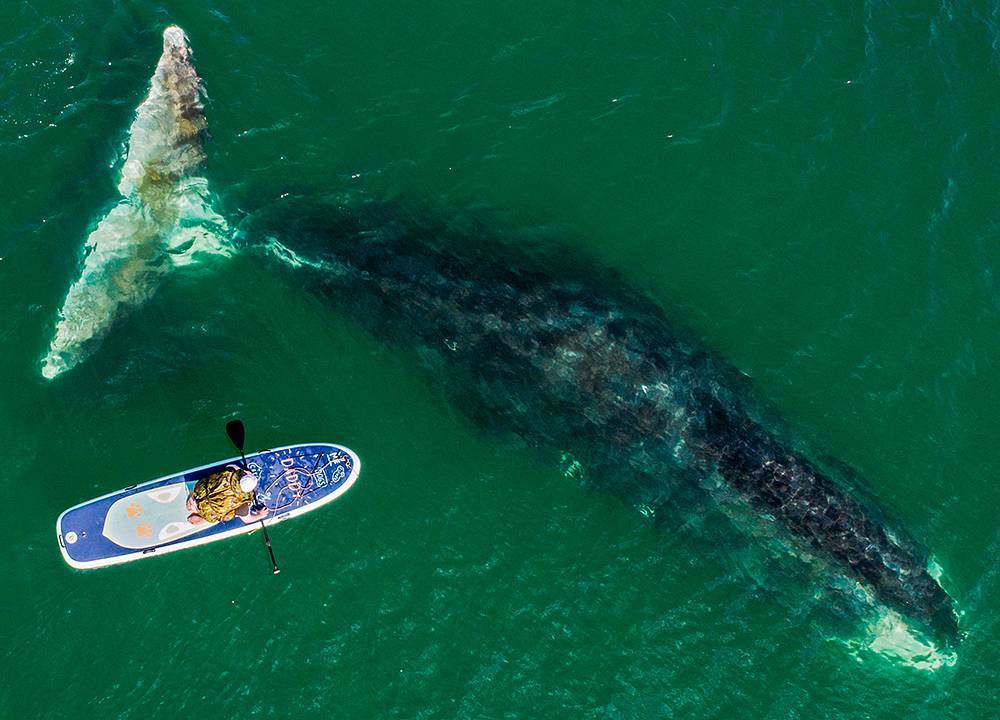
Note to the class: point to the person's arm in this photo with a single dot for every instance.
(245, 513)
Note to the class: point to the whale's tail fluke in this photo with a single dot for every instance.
(164, 218)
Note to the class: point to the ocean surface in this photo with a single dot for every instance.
(810, 190)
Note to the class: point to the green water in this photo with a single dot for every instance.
(810, 189)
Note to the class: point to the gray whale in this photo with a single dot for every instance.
(572, 360)
(577, 361)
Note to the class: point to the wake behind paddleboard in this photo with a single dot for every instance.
(151, 519)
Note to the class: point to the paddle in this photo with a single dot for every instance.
(237, 435)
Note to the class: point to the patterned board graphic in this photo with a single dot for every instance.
(152, 517)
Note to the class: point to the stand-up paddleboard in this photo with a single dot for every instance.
(151, 519)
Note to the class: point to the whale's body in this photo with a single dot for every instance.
(164, 218)
(578, 362)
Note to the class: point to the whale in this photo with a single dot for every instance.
(564, 355)
(164, 217)
(529, 341)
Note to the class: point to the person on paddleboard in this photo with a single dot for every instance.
(223, 496)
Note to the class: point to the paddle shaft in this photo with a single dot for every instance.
(267, 541)
(234, 429)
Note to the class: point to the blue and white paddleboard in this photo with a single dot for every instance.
(151, 519)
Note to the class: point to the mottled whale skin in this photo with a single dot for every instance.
(163, 220)
(579, 362)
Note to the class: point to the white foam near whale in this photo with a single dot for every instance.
(890, 636)
(164, 219)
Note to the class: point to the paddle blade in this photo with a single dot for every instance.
(236, 433)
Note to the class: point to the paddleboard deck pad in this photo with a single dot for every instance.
(151, 519)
